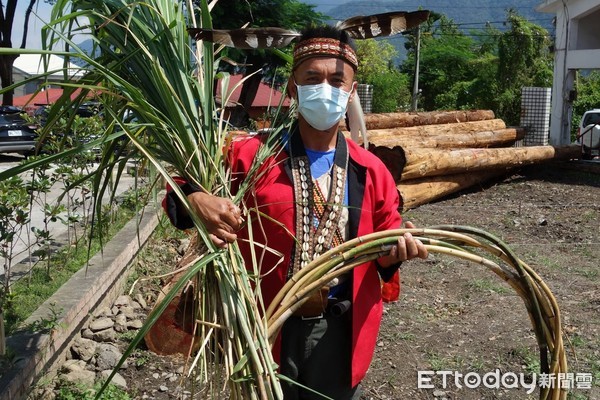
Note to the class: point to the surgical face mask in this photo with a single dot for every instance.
(322, 105)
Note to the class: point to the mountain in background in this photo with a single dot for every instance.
(471, 14)
(86, 46)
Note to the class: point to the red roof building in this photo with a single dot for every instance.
(43, 98)
(266, 97)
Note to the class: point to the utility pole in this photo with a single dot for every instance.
(415, 92)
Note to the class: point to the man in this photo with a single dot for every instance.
(319, 191)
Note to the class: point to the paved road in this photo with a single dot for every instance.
(9, 160)
(58, 229)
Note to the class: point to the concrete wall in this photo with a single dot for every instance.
(577, 46)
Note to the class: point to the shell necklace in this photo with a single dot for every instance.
(317, 219)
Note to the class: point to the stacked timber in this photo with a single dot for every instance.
(433, 154)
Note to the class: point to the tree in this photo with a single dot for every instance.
(588, 97)
(390, 87)
(446, 57)
(524, 59)
(484, 70)
(7, 18)
(483, 87)
(391, 92)
(230, 14)
(375, 58)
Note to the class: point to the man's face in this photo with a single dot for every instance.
(316, 70)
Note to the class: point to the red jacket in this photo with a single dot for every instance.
(373, 206)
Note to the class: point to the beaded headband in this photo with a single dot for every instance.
(324, 47)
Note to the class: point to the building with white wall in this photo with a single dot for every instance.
(577, 47)
(28, 66)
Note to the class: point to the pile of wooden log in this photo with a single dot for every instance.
(433, 154)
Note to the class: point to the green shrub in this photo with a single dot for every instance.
(70, 391)
(390, 92)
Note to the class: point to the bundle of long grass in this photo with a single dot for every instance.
(156, 87)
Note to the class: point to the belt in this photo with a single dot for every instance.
(335, 308)
(319, 305)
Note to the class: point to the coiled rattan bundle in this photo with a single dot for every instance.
(464, 242)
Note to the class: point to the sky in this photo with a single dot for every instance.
(34, 40)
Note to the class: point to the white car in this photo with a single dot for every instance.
(588, 134)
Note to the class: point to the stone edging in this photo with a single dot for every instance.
(88, 289)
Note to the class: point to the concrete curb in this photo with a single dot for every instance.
(95, 286)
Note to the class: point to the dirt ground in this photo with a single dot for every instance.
(456, 316)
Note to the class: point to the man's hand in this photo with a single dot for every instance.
(220, 216)
(407, 248)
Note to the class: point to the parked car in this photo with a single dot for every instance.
(16, 134)
(84, 110)
(588, 134)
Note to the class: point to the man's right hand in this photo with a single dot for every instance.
(220, 216)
